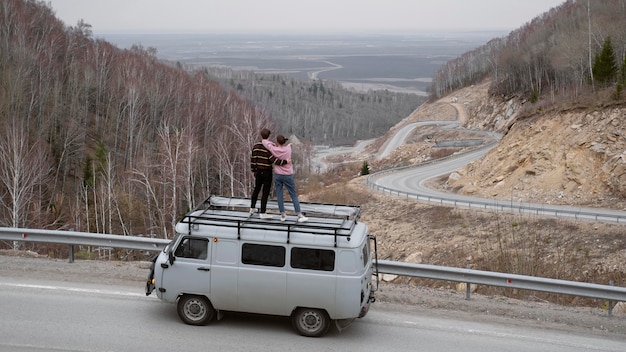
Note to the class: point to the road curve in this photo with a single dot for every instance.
(410, 182)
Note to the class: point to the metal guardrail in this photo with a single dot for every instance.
(490, 278)
(502, 206)
(470, 276)
(82, 238)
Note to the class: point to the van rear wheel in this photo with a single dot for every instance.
(310, 322)
(195, 310)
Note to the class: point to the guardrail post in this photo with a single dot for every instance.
(71, 254)
(467, 285)
(611, 303)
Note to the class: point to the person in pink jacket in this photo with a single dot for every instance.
(283, 176)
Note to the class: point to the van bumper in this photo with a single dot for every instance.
(364, 309)
(150, 280)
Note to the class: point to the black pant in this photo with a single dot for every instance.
(262, 180)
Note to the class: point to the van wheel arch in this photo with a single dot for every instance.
(195, 309)
(310, 322)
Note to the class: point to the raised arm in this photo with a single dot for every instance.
(271, 146)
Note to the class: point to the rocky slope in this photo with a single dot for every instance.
(569, 153)
(561, 154)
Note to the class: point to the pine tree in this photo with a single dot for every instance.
(623, 72)
(621, 81)
(365, 169)
(605, 68)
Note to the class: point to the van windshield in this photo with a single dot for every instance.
(168, 247)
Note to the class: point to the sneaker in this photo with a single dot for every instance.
(254, 210)
(265, 216)
(302, 218)
(283, 217)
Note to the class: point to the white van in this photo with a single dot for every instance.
(225, 259)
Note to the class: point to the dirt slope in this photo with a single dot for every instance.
(566, 154)
(561, 155)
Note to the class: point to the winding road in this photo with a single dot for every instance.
(410, 182)
(313, 74)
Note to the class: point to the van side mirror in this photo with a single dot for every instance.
(171, 257)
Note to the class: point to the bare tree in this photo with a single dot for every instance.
(156, 212)
(589, 42)
(171, 146)
(23, 168)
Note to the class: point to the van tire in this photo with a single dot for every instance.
(310, 322)
(195, 310)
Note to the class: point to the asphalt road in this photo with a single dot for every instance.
(411, 181)
(74, 316)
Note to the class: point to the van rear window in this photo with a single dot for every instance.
(366, 254)
(262, 254)
(313, 259)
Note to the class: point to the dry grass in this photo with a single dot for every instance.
(487, 240)
(442, 153)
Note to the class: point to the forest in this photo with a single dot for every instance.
(571, 50)
(320, 112)
(100, 139)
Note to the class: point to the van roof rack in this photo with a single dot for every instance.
(322, 209)
(324, 219)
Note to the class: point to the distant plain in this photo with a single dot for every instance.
(397, 62)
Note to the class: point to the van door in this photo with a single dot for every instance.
(263, 279)
(224, 274)
(190, 271)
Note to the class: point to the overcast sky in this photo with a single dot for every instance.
(298, 16)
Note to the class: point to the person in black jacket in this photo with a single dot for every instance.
(261, 163)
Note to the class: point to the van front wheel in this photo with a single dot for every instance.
(310, 322)
(195, 310)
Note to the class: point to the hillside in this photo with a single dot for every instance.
(567, 154)
(107, 140)
(566, 52)
(562, 119)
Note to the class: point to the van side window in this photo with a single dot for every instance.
(195, 248)
(261, 254)
(313, 259)
(366, 254)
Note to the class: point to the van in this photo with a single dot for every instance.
(225, 258)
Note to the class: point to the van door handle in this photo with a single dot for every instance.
(204, 268)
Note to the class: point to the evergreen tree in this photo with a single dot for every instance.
(605, 68)
(365, 169)
(88, 174)
(100, 157)
(621, 81)
(623, 72)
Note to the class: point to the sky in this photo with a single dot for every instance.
(298, 16)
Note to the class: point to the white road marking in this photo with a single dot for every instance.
(74, 289)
